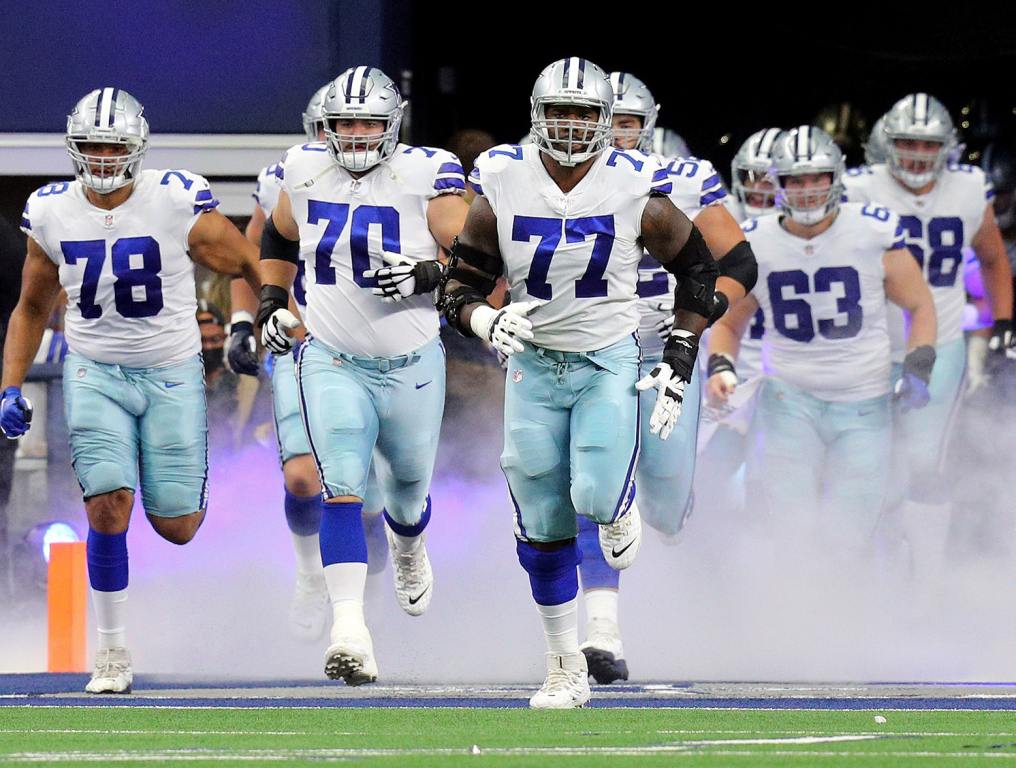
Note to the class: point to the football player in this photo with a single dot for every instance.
(666, 469)
(122, 242)
(943, 208)
(566, 218)
(826, 269)
(309, 609)
(371, 375)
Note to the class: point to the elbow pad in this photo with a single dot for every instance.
(739, 264)
(473, 267)
(275, 246)
(697, 272)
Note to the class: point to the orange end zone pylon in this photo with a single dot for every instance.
(68, 607)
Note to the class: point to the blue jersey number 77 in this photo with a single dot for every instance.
(592, 283)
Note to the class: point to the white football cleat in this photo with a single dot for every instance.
(604, 652)
(308, 613)
(112, 672)
(567, 683)
(414, 579)
(350, 657)
(620, 540)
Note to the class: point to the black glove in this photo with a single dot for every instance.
(241, 348)
(1001, 336)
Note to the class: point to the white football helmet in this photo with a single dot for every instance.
(876, 147)
(750, 173)
(669, 143)
(364, 93)
(633, 97)
(107, 116)
(572, 81)
(808, 150)
(918, 116)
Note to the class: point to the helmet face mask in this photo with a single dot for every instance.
(808, 168)
(571, 111)
(753, 183)
(919, 137)
(107, 137)
(357, 97)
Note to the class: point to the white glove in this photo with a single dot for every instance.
(274, 333)
(505, 328)
(393, 283)
(977, 355)
(665, 326)
(668, 399)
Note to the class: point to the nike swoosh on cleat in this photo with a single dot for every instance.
(421, 386)
(171, 384)
(615, 553)
(415, 600)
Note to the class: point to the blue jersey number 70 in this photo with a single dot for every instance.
(592, 283)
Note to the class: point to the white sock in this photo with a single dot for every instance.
(308, 554)
(109, 618)
(926, 527)
(601, 604)
(561, 626)
(406, 543)
(345, 583)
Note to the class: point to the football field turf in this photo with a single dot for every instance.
(47, 720)
(502, 737)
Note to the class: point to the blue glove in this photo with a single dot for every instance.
(912, 388)
(15, 413)
(241, 347)
(911, 392)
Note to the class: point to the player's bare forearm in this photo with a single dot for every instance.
(995, 269)
(690, 321)
(40, 285)
(725, 337)
(217, 244)
(242, 296)
(278, 272)
(730, 288)
(923, 326)
(255, 226)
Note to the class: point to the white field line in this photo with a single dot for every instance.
(345, 754)
(341, 705)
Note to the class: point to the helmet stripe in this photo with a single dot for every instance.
(582, 73)
(356, 85)
(765, 145)
(921, 108)
(349, 82)
(103, 108)
(803, 149)
(112, 106)
(566, 73)
(363, 84)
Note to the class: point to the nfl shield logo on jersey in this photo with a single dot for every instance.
(108, 222)
(517, 376)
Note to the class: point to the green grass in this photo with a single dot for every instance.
(135, 736)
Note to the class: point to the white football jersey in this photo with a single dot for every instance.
(129, 279)
(266, 195)
(578, 251)
(348, 224)
(936, 228)
(695, 185)
(824, 302)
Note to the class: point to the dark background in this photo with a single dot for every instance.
(248, 67)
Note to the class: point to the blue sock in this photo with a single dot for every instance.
(410, 530)
(342, 539)
(552, 575)
(595, 572)
(107, 560)
(303, 514)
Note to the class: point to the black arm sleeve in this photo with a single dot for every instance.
(275, 246)
(697, 272)
(739, 264)
(471, 275)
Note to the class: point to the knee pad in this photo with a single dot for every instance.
(534, 452)
(552, 575)
(303, 514)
